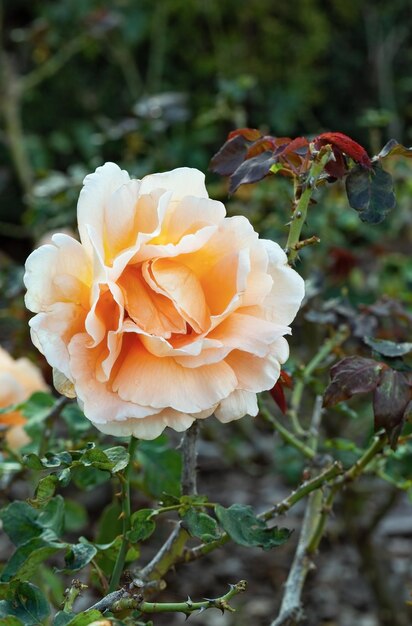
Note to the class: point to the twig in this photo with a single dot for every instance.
(291, 612)
(119, 565)
(189, 453)
(72, 593)
(188, 607)
(172, 549)
(286, 435)
(329, 345)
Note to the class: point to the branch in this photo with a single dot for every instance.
(286, 435)
(189, 453)
(188, 607)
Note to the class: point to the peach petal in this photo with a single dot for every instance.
(248, 333)
(99, 402)
(161, 382)
(181, 285)
(254, 373)
(237, 405)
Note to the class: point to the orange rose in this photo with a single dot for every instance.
(166, 311)
(18, 380)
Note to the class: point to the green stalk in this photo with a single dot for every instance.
(301, 205)
(126, 512)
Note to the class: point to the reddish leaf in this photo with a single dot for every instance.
(351, 376)
(230, 156)
(278, 395)
(252, 170)
(344, 144)
(263, 144)
(390, 403)
(299, 145)
(250, 134)
(277, 391)
(393, 148)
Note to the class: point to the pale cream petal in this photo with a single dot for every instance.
(286, 295)
(188, 216)
(161, 382)
(94, 197)
(237, 405)
(183, 181)
(254, 373)
(57, 272)
(51, 333)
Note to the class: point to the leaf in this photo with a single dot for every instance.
(28, 604)
(77, 619)
(75, 515)
(390, 403)
(252, 170)
(20, 522)
(119, 457)
(230, 156)
(241, 524)
(370, 192)
(10, 621)
(44, 491)
(141, 526)
(26, 559)
(251, 134)
(79, 555)
(201, 525)
(88, 478)
(388, 348)
(351, 376)
(346, 145)
(393, 148)
(161, 467)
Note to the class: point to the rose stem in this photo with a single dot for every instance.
(125, 484)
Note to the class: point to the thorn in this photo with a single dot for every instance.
(202, 608)
(189, 602)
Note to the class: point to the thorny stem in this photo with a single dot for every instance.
(286, 435)
(125, 484)
(302, 203)
(188, 607)
(173, 548)
(329, 345)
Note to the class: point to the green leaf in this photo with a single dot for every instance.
(20, 522)
(79, 556)
(88, 478)
(141, 526)
(77, 423)
(75, 516)
(10, 621)
(27, 604)
(110, 525)
(370, 192)
(161, 467)
(44, 491)
(26, 559)
(95, 457)
(201, 525)
(119, 457)
(388, 348)
(241, 524)
(76, 619)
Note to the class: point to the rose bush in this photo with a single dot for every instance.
(166, 311)
(19, 378)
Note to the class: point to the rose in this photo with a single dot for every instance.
(166, 311)
(18, 380)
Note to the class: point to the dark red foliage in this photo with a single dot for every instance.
(277, 392)
(342, 146)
